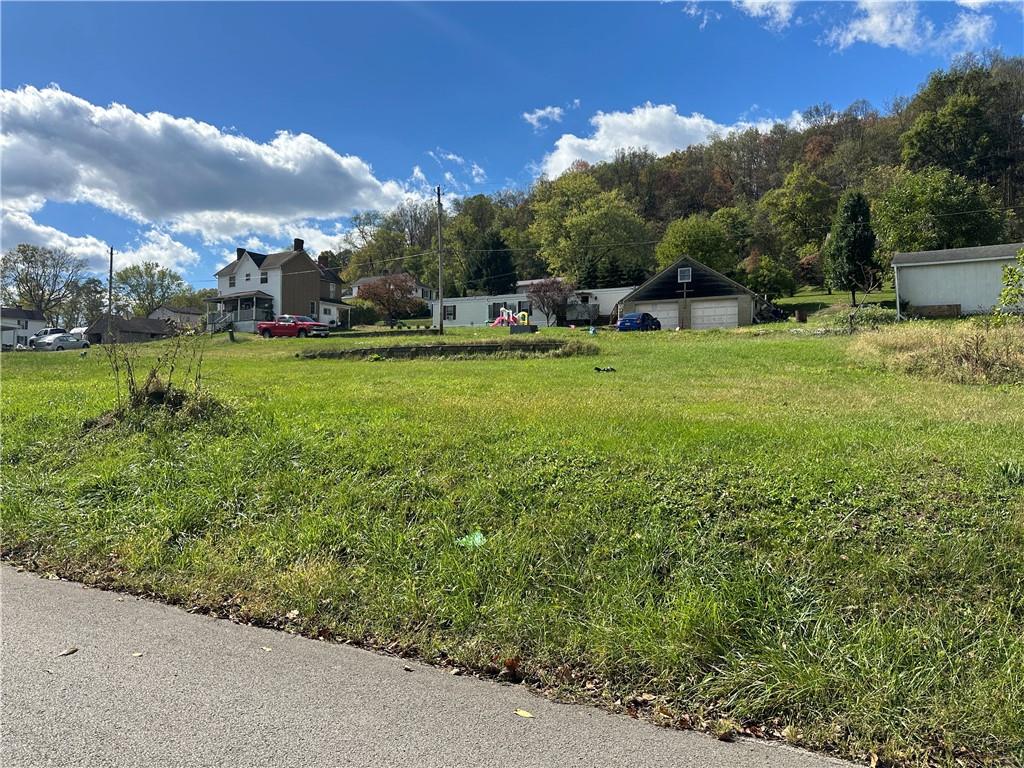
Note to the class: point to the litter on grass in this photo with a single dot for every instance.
(472, 540)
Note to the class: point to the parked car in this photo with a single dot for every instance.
(57, 342)
(42, 334)
(292, 325)
(638, 321)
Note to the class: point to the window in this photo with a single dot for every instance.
(264, 278)
(684, 274)
(333, 288)
(327, 311)
(248, 276)
(525, 306)
(312, 308)
(449, 311)
(23, 324)
(231, 281)
(23, 340)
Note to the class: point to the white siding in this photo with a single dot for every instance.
(272, 286)
(20, 335)
(474, 310)
(974, 285)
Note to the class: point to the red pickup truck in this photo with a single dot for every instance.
(291, 325)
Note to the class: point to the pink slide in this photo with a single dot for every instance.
(504, 320)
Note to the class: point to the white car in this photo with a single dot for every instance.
(58, 342)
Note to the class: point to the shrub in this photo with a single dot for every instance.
(863, 317)
(363, 312)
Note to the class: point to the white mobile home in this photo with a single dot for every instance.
(586, 306)
(954, 281)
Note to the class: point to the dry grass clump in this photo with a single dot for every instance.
(973, 352)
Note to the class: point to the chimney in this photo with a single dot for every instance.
(322, 260)
(298, 245)
(239, 253)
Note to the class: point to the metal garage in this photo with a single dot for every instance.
(954, 281)
(689, 294)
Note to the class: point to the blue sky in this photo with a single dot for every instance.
(175, 132)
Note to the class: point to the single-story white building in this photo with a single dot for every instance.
(18, 324)
(689, 294)
(587, 306)
(952, 282)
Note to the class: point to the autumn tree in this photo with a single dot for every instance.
(146, 286)
(40, 278)
(551, 296)
(393, 296)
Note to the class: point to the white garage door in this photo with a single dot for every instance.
(666, 311)
(720, 313)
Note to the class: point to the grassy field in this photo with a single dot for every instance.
(760, 528)
(812, 299)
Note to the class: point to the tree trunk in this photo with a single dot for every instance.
(853, 297)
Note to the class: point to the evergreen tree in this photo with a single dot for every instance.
(850, 251)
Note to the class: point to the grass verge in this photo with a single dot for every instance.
(748, 529)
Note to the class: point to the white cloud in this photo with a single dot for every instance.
(543, 116)
(777, 14)
(901, 25)
(159, 247)
(697, 10)
(18, 226)
(478, 173)
(418, 176)
(658, 127)
(176, 173)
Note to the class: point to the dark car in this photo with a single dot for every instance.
(639, 321)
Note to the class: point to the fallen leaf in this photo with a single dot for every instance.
(407, 668)
(265, 648)
(293, 614)
(523, 713)
(68, 652)
(456, 671)
(136, 654)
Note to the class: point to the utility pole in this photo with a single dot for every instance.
(110, 293)
(440, 267)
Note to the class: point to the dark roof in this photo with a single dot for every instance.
(261, 260)
(704, 281)
(180, 310)
(974, 253)
(330, 274)
(132, 325)
(242, 295)
(17, 313)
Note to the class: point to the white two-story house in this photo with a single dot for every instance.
(19, 324)
(259, 286)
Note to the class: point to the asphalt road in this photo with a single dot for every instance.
(206, 692)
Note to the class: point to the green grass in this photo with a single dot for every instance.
(752, 527)
(811, 299)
